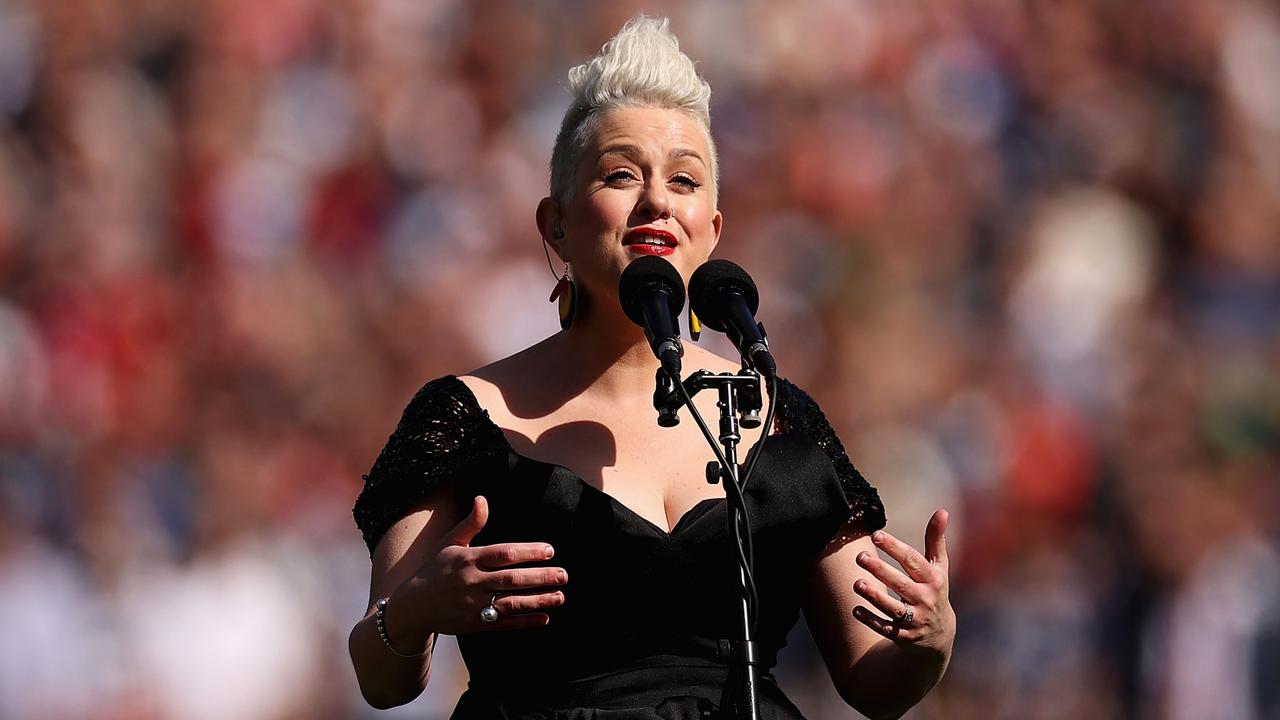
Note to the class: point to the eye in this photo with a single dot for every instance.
(686, 181)
(618, 177)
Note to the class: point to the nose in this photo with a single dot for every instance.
(655, 202)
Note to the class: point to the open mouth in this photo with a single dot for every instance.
(650, 241)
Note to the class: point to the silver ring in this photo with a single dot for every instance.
(907, 615)
(490, 613)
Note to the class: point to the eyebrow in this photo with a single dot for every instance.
(633, 152)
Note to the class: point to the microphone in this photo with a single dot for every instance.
(725, 299)
(652, 293)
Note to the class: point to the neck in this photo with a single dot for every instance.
(604, 349)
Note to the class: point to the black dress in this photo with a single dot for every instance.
(638, 636)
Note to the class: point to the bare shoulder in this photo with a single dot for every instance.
(488, 382)
(698, 357)
(497, 385)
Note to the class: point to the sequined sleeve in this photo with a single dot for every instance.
(797, 412)
(442, 438)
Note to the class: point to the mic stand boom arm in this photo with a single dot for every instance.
(739, 402)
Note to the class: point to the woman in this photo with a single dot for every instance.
(535, 509)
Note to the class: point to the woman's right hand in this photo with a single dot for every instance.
(449, 590)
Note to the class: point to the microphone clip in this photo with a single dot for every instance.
(668, 400)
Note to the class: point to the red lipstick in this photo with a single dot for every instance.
(650, 241)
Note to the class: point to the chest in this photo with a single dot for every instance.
(658, 473)
(667, 586)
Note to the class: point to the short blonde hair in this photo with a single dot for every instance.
(641, 66)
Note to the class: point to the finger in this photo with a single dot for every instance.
(525, 578)
(471, 525)
(518, 622)
(935, 537)
(889, 575)
(513, 604)
(489, 557)
(908, 557)
(882, 601)
(885, 627)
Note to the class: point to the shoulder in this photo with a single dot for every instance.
(442, 417)
(502, 383)
(703, 358)
(440, 398)
(442, 436)
(797, 410)
(799, 413)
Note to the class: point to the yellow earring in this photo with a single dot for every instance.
(695, 325)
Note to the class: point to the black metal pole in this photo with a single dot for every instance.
(746, 706)
(739, 701)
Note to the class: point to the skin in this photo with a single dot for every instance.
(590, 411)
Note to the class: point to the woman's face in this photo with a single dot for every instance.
(643, 186)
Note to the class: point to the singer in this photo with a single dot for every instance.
(534, 508)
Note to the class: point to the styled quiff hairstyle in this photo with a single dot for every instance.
(641, 66)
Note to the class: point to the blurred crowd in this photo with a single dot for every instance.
(1025, 254)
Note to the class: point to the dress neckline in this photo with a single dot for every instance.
(686, 520)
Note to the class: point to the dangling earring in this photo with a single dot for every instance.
(695, 325)
(564, 291)
(567, 294)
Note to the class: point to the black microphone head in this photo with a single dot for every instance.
(649, 273)
(708, 288)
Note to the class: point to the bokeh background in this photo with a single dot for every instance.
(1025, 253)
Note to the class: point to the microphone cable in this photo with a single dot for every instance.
(733, 493)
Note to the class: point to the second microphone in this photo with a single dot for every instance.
(725, 299)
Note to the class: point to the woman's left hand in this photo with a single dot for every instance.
(923, 618)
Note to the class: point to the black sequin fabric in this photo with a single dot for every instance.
(442, 434)
(797, 412)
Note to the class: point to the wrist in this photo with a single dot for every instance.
(400, 625)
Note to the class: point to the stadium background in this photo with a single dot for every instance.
(1025, 254)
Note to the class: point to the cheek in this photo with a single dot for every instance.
(607, 209)
(696, 218)
(594, 223)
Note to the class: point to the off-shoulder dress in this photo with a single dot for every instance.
(639, 637)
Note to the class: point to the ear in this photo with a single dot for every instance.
(717, 221)
(548, 218)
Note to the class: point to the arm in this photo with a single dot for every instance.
(386, 679)
(880, 667)
(435, 582)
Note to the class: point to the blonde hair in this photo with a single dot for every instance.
(641, 66)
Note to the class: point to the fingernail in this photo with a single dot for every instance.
(548, 551)
(863, 557)
(860, 585)
(561, 577)
(877, 536)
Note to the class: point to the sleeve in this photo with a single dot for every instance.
(442, 438)
(797, 412)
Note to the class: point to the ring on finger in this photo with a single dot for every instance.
(489, 614)
(907, 615)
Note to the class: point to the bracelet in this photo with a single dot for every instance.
(380, 616)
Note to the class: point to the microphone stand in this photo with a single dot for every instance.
(739, 402)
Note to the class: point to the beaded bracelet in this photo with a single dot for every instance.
(380, 616)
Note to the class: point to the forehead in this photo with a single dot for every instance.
(650, 130)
